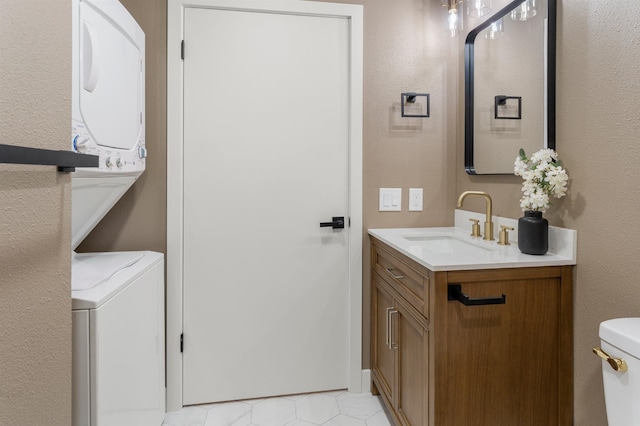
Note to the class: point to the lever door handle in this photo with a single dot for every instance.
(455, 293)
(337, 222)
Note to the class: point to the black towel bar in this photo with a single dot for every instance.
(66, 161)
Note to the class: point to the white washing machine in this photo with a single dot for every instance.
(117, 298)
(118, 339)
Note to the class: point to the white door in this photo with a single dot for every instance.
(266, 159)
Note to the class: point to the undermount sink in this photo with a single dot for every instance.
(446, 244)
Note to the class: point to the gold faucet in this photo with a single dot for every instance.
(488, 224)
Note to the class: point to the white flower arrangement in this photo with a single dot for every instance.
(543, 176)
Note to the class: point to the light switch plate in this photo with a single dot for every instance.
(415, 199)
(390, 200)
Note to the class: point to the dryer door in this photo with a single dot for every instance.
(111, 80)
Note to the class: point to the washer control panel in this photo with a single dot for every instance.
(111, 159)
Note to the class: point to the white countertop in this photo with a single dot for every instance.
(453, 248)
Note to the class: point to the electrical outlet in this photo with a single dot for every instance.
(415, 199)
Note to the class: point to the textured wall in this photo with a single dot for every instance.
(406, 51)
(598, 123)
(35, 216)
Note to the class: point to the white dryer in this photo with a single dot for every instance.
(117, 298)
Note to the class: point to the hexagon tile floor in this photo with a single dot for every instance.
(339, 408)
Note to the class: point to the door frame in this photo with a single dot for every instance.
(175, 164)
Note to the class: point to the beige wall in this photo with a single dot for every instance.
(405, 50)
(35, 216)
(597, 138)
(598, 92)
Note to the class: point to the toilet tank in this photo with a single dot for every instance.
(620, 338)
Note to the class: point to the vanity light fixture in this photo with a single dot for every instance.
(453, 17)
(478, 8)
(410, 98)
(526, 10)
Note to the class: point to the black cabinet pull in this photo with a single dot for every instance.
(455, 293)
(336, 223)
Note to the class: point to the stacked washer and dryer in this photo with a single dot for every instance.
(117, 298)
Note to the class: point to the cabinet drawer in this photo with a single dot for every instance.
(411, 284)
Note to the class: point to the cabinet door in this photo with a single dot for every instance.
(501, 364)
(411, 340)
(382, 356)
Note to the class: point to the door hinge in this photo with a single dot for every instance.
(182, 50)
(181, 343)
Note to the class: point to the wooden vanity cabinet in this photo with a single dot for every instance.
(400, 356)
(437, 362)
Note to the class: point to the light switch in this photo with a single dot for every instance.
(415, 199)
(390, 200)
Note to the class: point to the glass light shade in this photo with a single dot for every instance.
(495, 30)
(454, 22)
(478, 8)
(453, 17)
(526, 10)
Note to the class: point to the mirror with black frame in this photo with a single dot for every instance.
(510, 86)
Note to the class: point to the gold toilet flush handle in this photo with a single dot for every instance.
(616, 363)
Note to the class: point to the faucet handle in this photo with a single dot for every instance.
(503, 235)
(475, 228)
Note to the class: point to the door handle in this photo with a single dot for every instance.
(455, 293)
(336, 223)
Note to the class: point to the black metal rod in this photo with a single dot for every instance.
(455, 293)
(66, 161)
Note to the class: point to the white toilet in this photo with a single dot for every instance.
(620, 353)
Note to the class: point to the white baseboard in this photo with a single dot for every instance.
(366, 380)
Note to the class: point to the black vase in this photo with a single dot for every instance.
(533, 233)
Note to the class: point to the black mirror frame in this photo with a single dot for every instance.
(469, 84)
